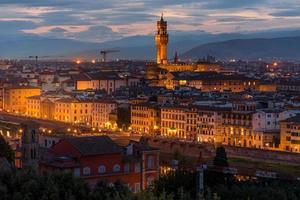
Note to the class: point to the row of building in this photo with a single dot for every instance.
(240, 123)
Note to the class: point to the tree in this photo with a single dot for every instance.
(221, 157)
(6, 151)
(124, 117)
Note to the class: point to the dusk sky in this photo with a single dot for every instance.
(102, 20)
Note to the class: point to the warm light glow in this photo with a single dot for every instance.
(275, 64)
(93, 61)
(78, 62)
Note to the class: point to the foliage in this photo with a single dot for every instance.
(181, 184)
(124, 117)
(6, 151)
(221, 157)
(177, 185)
(182, 161)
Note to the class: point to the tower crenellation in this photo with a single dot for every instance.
(161, 40)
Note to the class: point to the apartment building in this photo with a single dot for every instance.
(15, 98)
(145, 118)
(101, 113)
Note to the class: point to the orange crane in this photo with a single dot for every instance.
(105, 52)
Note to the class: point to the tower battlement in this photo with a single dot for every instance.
(161, 41)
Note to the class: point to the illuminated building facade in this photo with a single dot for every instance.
(145, 118)
(34, 106)
(162, 64)
(101, 113)
(161, 40)
(209, 126)
(107, 81)
(173, 122)
(73, 111)
(290, 134)
(208, 81)
(15, 98)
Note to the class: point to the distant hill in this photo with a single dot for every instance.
(279, 48)
(140, 47)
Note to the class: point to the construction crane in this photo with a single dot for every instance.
(37, 57)
(105, 52)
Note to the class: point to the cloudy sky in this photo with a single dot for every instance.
(103, 20)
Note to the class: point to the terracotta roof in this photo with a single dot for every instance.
(95, 145)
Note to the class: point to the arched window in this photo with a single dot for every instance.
(86, 171)
(116, 168)
(101, 169)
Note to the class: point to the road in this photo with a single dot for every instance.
(24, 119)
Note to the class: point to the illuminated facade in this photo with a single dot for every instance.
(173, 122)
(34, 106)
(101, 111)
(290, 134)
(145, 118)
(15, 98)
(162, 64)
(209, 126)
(161, 40)
(208, 81)
(73, 111)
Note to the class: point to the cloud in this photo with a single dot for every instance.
(95, 34)
(230, 4)
(295, 12)
(101, 20)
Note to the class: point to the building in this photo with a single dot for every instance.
(101, 113)
(34, 106)
(161, 41)
(99, 158)
(208, 81)
(145, 118)
(290, 134)
(173, 121)
(209, 123)
(47, 109)
(162, 64)
(72, 110)
(237, 124)
(15, 98)
(107, 81)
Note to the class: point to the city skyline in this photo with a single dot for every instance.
(98, 21)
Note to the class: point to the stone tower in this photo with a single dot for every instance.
(161, 41)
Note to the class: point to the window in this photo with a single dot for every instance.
(126, 167)
(101, 169)
(116, 168)
(86, 171)
(77, 172)
(137, 167)
(150, 163)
